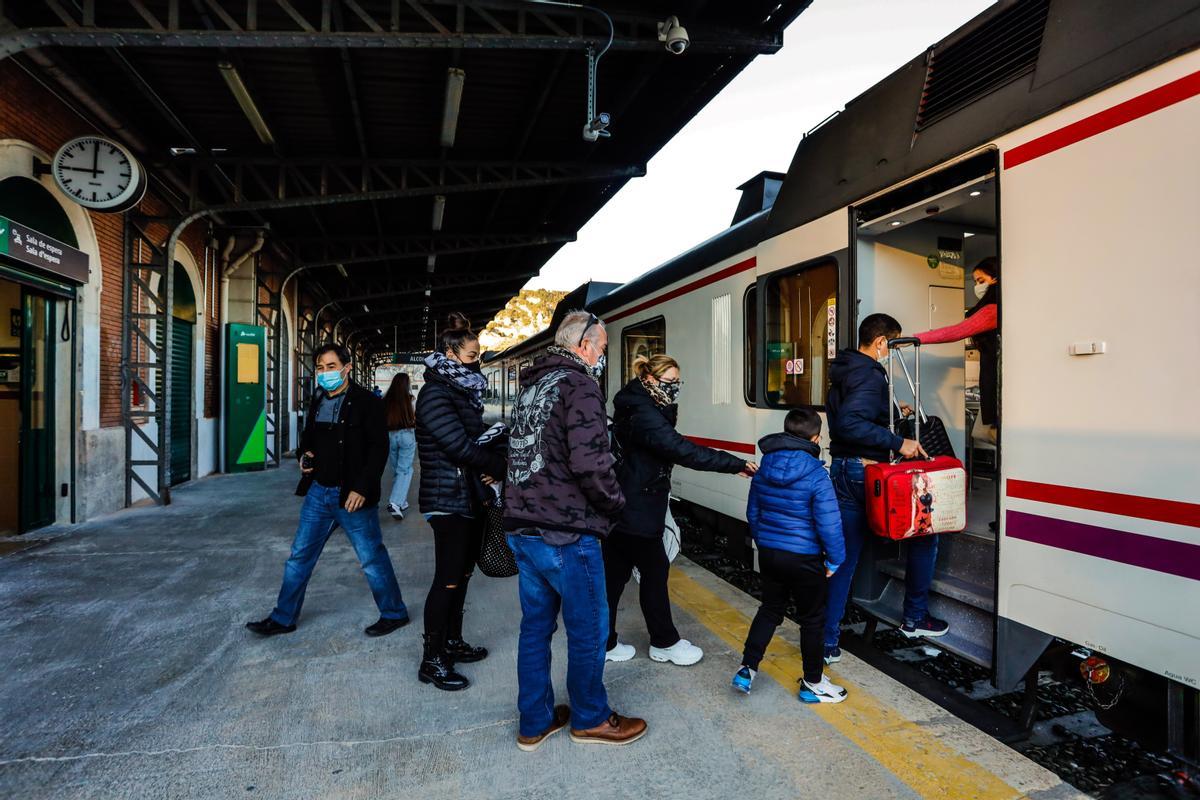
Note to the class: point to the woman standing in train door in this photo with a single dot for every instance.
(647, 446)
(982, 325)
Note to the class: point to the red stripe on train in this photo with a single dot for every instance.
(1126, 505)
(719, 275)
(721, 444)
(1134, 108)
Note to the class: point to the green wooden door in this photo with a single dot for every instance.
(181, 400)
(37, 412)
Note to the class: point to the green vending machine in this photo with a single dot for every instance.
(245, 397)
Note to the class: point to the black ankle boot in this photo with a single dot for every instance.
(458, 650)
(437, 668)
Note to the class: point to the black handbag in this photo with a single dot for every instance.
(496, 559)
(934, 438)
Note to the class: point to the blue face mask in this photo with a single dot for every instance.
(330, 381)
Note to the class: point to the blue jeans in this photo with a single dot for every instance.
(847, 476)
(402, 446)
(570, 577)
(321, 513)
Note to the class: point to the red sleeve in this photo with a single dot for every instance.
(982, 322)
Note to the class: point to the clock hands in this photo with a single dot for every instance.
(96, 158)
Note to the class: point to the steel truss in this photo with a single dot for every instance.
(347, 250)
(406, 24)
(146, 360)
(270, 316)
(259, 184)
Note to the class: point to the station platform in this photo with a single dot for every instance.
(127, 673)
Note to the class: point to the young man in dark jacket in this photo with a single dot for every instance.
(561, 497)
(343, 451)
(857, 408)
(793, 515)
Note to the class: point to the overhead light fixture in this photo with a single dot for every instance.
(439, 211)
(379, 331)
(430, 263)
(183, 151)
(976, 193)
(242, 95)
(894, 223)
(967, 234)
(366, 309)
(342, 269)
(454, 89)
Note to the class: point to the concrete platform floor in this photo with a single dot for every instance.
(126, 673)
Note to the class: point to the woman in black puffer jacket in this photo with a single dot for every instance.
(648, 447)
(449, 422)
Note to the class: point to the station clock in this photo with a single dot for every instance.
(99, 174)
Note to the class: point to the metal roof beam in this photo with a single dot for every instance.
(434, 24)
(369, 251)
(279, 184)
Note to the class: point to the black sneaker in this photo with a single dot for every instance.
(833, 655)
(385, 626)
(269, 627)
(930, 626)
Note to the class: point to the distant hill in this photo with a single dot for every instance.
(523, 316)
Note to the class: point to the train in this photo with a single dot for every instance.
(1060, 138)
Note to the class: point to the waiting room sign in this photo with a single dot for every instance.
(31, 247)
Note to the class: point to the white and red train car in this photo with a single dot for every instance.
(1064, 139)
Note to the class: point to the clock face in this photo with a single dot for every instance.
(98, 173)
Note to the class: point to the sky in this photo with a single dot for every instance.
(831, 53)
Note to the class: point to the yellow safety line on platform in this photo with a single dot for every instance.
(910, 753)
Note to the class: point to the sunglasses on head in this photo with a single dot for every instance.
(594, 320)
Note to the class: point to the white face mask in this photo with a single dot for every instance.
(981, 290)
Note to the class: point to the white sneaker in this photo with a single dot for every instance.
(621, 652)
(683, 653)
(823, 692)
(396, 512)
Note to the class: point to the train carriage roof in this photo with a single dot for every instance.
(1014, 63)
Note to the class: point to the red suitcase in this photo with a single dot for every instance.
(921, 496)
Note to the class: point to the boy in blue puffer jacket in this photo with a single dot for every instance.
(794, 519)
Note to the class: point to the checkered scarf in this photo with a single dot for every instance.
(455, 372)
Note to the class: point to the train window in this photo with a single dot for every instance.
(801, 333)
(750, 343)
(642, 339)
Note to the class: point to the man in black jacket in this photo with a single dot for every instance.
(344, 448)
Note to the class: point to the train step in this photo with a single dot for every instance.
(971, 628)
(951, 586)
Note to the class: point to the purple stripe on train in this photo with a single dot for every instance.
(1135, 549)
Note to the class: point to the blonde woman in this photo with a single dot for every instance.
(648, 447)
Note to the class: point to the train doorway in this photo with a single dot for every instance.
(918, 252)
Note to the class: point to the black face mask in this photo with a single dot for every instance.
(474, 366)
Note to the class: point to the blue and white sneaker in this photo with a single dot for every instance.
(833, 655)
(743, 679)
(823, 692)
(930, 626)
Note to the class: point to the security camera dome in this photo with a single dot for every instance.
(673, 35)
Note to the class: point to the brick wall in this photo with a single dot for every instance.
(30, 113)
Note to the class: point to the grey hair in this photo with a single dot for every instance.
(572, 328)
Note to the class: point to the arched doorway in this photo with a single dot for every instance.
(29, 391)
(183, 328)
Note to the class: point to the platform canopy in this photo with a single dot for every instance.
(414, 156)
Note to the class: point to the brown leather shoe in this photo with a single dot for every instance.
(562, 715)
(615, 730)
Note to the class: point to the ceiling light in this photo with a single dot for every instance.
(342, 269)
(967, 235)
(380, 332)
(242, 95)
(366, 309)
(976, 193)
(439, 211)
(183, 151)
(454, 90)
(894, 223)
(430, 263)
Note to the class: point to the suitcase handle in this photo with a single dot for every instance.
(896, 344)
